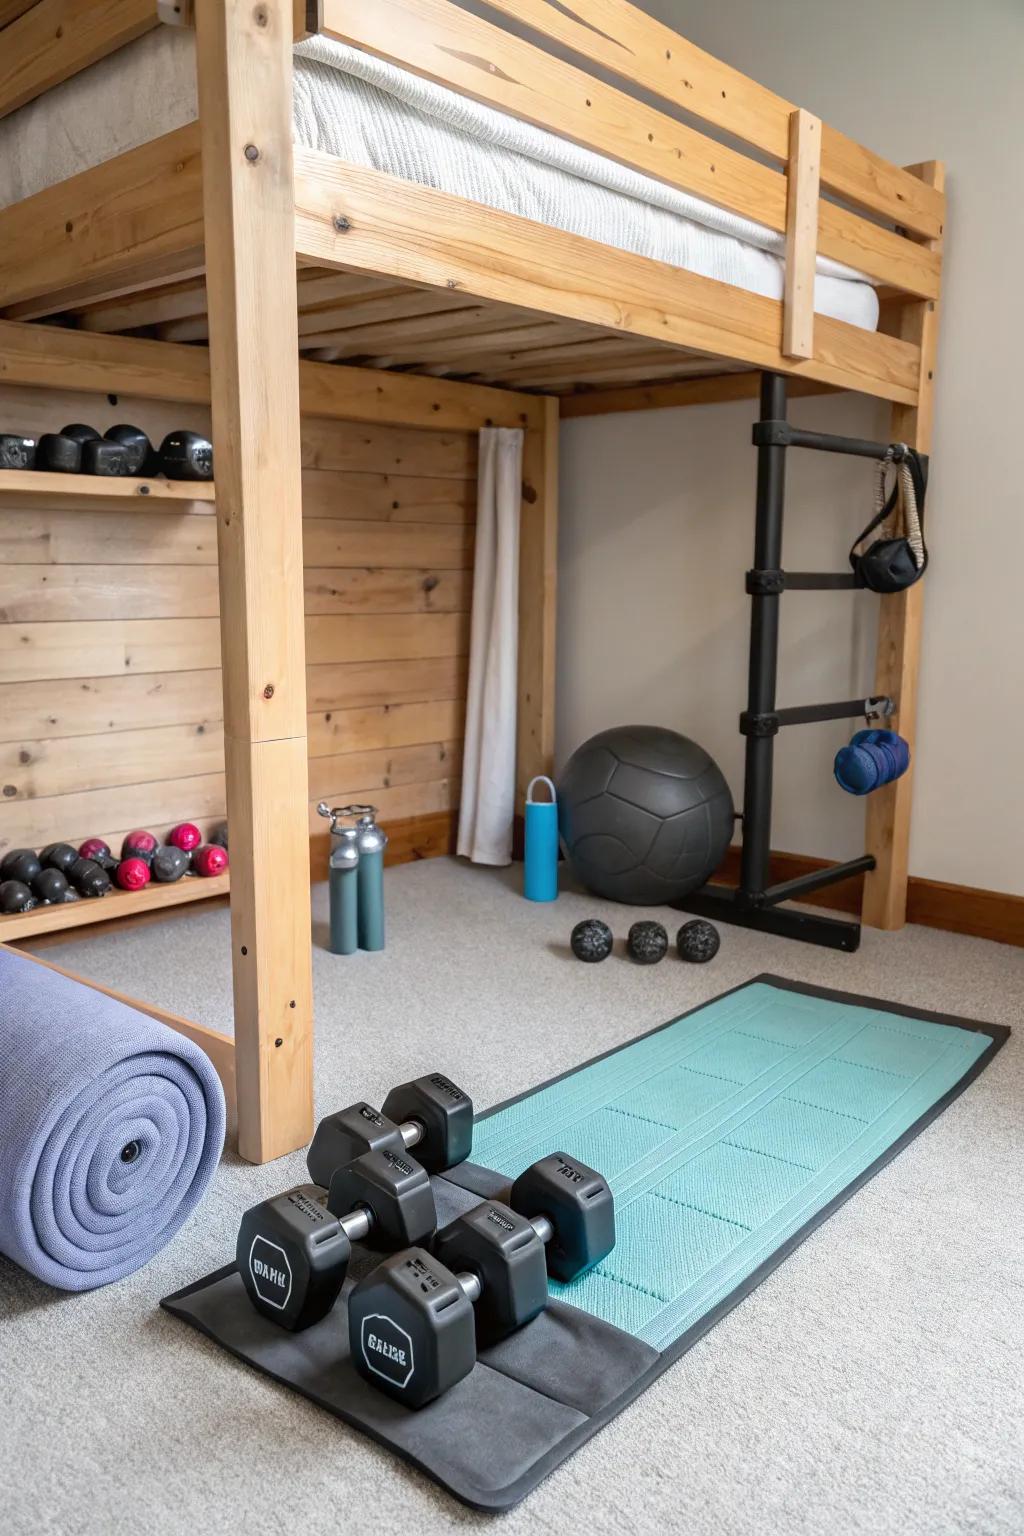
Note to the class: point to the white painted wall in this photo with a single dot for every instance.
(657, 507)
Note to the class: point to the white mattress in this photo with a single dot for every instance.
(368, 112)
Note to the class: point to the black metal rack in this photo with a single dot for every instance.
(754, 903)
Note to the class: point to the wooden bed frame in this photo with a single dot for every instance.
(225, 232)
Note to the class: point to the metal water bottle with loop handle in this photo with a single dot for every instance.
(371, 841)
(343, 881)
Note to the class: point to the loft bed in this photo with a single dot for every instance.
(452, 288)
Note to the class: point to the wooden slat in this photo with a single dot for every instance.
(112, 647)
(158, 804)
(133, 219)
(68, 765)
(801, 234)
(334, 542)
(396, 450)
(349, 685)
(538, 558)
(47, 593)
(35, 711)
(385, 726)
(57, 38)
(389, 767)
(108, 648)
(898, 653)
(45, 357)
(499, 256)
(150, 307)
(445, 44)
(636, 47)
(387, 591)
(388, 637)
(709, 390)
(10, 10)
(114, 539)
(362, 495)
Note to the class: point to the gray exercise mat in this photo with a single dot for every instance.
(528, 1403)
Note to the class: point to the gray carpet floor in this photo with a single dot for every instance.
(872, 1384)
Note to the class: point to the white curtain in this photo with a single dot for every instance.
(489, 755)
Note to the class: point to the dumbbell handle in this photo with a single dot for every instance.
(356, 1224)
(470, 1285)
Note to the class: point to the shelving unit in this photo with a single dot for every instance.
(103, 909)
(18, 484)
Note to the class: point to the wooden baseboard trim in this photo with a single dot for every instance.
(932, 903)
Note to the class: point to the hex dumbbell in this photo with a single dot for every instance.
(430, 1114)
(293, 1250)
(416, 1321)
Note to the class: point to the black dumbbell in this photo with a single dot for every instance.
(59, 454)
(293, 1250)
(430, 1113)
(17, 452)
(99, 457)
(186, 456)
(137, 446)
(415, 1322)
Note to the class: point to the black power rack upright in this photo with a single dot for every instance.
(754, 903)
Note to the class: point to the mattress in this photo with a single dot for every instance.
(368, 112)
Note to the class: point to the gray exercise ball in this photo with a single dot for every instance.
(644, 814)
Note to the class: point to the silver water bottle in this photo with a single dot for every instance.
(371, 841)
(343, 882)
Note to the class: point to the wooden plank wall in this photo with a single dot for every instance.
(110, 689)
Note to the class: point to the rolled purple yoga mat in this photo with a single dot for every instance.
(111, 1126)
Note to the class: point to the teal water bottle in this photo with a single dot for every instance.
(540, 865)
(371, 841)
(343, 883)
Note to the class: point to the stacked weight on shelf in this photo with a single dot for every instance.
(78, 449)
(62, 873)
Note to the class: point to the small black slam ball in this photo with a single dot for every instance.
(15, 896)
(647, 943)
(58, 856)
(591, 940)
(219, 835)
(20, 864)
(169, 864)
(698, 940)
(88, 878)
(50, 885)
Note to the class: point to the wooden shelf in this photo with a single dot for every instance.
(102, 909)
(40, 482)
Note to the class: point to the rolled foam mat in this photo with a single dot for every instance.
(111, 1125)
(726, 1135)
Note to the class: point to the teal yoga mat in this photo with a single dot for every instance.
(726, 1132)
(727, 1135)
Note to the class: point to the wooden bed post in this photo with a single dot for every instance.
(899, 630)
(538, 563)
(245, 96)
